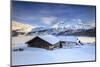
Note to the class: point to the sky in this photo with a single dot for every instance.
(46, 14)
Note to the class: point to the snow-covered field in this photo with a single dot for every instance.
(41, 56)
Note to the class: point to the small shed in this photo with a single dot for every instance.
(72, 41)
(68, 40)
(46, 41)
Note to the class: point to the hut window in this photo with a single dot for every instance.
(51, 47)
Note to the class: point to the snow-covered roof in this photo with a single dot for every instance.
(68, 38)
(50, 38)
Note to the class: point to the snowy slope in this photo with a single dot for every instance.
(42, 56)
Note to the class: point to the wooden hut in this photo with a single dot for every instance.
(46, 41)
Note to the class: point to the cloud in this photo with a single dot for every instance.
(92, 23)
(31, 17)
(19, 17)
(74, 19)
(68, 25)
(78, 21)
(48, 20)
(25, 17)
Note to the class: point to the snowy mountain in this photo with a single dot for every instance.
(56, 29)
(82, 26)
(39, 28)
(76, 29)
(20, 27)
(61, 26)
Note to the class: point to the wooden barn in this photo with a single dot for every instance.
(47, 41)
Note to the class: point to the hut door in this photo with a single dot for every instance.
(60, 45)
